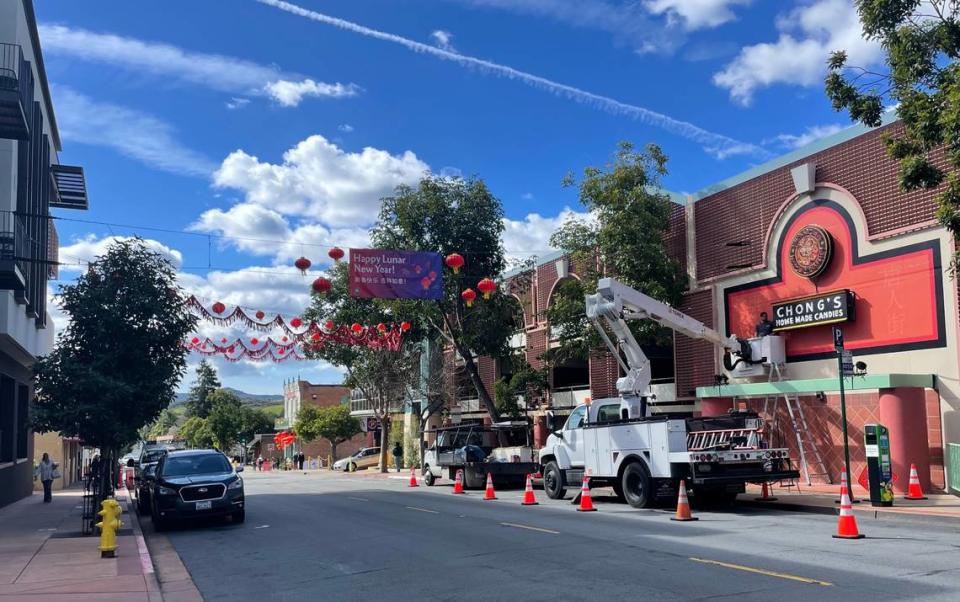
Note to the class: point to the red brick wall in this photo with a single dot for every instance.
(676, 239)
(327, 396)
(694, 360)
(604, 372)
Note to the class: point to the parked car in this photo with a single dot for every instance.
(143, 473)
(196, 483)
(365, 458)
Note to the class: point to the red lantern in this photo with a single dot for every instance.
(260, 315)
(381, 327)
(316, 336)
(219, 308)
(336, 253)
(356, 328)
(195, 340)
(296, 322)
(230, 349)
(404, 326)
(487, 286)
(303, 264)
(455, 262)
(280, 351)
(468, 296)
(254, 341)
(223, 340)
(284, 340)
(321, 285)
(329, 325)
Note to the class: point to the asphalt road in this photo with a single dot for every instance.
(353, 537)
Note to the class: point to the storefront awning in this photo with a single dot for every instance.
(814, 385)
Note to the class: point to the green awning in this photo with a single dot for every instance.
(813, 385)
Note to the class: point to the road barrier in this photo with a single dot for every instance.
(847, 523)
(528, 497)
(458, 484)
(765, 495)
(914, 491)
(413, 478)
(586, 502)
(683, 505)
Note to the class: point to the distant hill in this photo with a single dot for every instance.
(250, 399)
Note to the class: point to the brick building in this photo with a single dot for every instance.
(740, 242)
(296, 394)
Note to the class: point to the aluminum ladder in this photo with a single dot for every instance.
(805, 443)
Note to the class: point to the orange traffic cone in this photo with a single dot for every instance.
(914, 492)
(528, 499)
(845, 485)
(489, 494)
(458, 484)
(586, 502)
(765, 495)
(847, 524)
(683, 505)
(413, 478)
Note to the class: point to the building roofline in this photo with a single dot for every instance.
(42, 70)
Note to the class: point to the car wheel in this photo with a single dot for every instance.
(239, 516)
(636, 485)
(428, 478)
(553, 481)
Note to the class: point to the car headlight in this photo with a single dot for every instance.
(238, 484)
(166, 491)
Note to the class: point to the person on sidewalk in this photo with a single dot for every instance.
(46, 477)
(259, 463)
(397, 454)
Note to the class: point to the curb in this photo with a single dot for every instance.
(861, 511)
(146, 560)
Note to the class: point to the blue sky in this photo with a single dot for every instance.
(259, 122)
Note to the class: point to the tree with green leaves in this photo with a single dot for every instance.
(162, 425)
(206, 383)
(254, 421)
(333, 423)
(118, 361)
(447, 216)
(921, 39)
(225, 418)
(524, 380)
(196, 433)
(623, 237)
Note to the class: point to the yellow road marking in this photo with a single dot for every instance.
(421, 509)
(749, 569)
(515, 525)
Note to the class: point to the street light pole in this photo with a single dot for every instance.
(838, 346)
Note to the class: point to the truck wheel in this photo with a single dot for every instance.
(428, 478)
(553, 481)
(618, 490)
(636, 485)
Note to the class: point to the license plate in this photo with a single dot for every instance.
(203, 505)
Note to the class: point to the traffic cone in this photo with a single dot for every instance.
(528, 499)
(847, 523)
(845, 484)
(413, 477)
(489, 494)
(683, 505)
(914, 492)
(765, 495)
(586, 502)
(458, 484)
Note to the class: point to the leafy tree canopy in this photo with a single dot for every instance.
(117, 363)
(225, 419)
(333, 423)
(196, 433)
(198, 402)
(921, 39)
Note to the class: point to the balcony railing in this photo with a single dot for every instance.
(365, 406)
(13, 251)
(16, 93)
(569, 397)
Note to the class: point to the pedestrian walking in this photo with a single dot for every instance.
(260, 463)
(302, 458)
(47, 469)
(397, 455)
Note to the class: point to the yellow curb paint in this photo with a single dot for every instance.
(749, 569)
(516, 526)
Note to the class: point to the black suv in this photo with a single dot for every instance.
(195, 483)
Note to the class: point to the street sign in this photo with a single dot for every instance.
(838, 338)
(847, 362)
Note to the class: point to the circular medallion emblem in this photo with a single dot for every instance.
(810, 251)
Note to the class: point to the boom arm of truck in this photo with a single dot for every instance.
(612, 305)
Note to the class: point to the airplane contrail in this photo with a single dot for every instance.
(714, 143)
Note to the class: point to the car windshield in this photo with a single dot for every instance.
(195, 464)
(152, 455)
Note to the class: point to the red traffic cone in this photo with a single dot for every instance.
(765, 495)
(914, 492)
(845, 484)
(847, 523)
(413, 478)
(528, 499)
(683, 505)
(489, 494)
(586, 502)
(458, 484)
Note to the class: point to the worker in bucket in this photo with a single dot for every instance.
(764, 326)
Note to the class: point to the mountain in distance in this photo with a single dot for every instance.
(250, 399)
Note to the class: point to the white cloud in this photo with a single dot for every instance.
(346, 128)
(527, 196)
(712, 142)
(319, 180)
(78, 254)
(442, 40)
(132, 133)
(808, 35)
(531, 235)
(290, 93)
(811, 134)
(216, 71)
(237, 102)
(695, 14)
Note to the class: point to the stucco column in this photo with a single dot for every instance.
(715, 406)
(903, 410)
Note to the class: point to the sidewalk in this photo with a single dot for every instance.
(821, 498)
(43, 556)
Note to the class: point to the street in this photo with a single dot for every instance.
(361, 537)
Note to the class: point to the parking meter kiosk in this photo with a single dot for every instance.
(876, 440)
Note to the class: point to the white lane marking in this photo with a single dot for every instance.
(421, 509)
(516, 526)
(359, 499)
(262, 527)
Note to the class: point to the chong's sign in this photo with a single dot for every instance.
(828, 308)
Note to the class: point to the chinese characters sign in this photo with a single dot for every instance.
(382, 274)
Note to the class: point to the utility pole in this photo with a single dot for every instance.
(838, 346)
